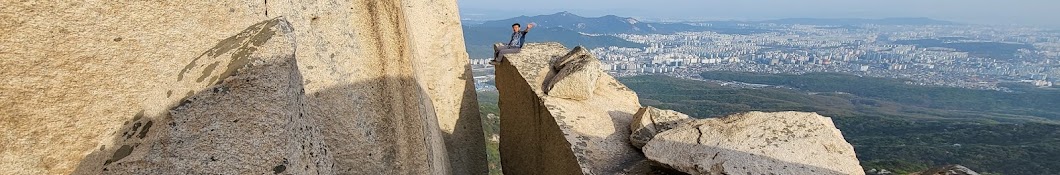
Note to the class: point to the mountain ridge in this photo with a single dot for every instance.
(607, 24)
(613, 24)
(862, 21)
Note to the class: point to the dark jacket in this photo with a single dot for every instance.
(518, 38)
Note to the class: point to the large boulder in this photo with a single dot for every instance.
(947, 170)
(573, 76)
(388, 92)
(650, 121)
(756, 143)
(547, 134)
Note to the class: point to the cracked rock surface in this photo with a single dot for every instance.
(756, 143)
(650, 121)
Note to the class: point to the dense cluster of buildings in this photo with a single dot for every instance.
(877, 51)
(978, 57)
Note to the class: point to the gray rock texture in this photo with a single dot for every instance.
(545, 134)
(756, 143)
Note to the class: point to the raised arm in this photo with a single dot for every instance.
(529, 26)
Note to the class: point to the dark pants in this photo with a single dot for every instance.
(499, 50)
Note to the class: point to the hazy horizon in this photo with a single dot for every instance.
(1025, 12)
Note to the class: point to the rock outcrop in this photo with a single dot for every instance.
(253, 121)
(546, 134)
(650, 121)
(562, 115)
(385, 92)
(947, 170)
(756, 143)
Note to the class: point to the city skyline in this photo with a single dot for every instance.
(1026, 12)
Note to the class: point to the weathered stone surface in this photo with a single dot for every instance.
(649, 121)
(947, 170)
(252, 121)
(544, 134)
(756, 143)
(436, 44)
(573, 76)
(375, 73)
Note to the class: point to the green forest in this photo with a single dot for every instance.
(892, 125)
(487, 101)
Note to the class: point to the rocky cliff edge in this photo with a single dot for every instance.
(561, 114)
(582, 127)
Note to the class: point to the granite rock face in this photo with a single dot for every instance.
(443, 71)
(546, 134)
(649, 121)
(386, 91)
(756, 142)
(253, 121)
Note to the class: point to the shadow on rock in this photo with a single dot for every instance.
(467, 133)
(252, 120)
(257, 119)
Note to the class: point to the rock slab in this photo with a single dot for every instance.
(547, 134)
(756, 143)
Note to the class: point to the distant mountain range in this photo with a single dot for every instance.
(609, 24)
(612, 24)
(860, 21)
(570, 29)
(480, 39)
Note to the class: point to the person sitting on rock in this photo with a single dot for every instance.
(513, 46)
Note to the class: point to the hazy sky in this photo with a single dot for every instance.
(1029, 12)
